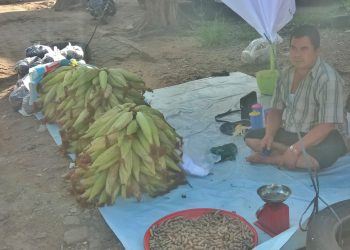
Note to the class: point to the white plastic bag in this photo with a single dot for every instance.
(257, 51)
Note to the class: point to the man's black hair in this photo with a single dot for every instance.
(309, 31)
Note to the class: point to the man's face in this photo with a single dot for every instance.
(302, 53)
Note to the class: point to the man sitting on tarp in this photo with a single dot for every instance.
(308, 99)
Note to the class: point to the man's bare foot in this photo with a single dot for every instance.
(260, 159)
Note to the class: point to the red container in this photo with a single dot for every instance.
(195, 213)
(273, 218)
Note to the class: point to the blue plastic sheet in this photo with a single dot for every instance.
(232, 185)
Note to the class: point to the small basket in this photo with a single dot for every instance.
(266, 80)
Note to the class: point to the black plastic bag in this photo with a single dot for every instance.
(37, 50)
(17, 95)
(226, 152)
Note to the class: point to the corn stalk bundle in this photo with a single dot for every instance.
(132, 151)
(75, 96)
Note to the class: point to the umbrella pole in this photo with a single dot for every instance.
(272, 56)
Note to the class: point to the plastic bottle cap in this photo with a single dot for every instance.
(254, 113)
(256, 106)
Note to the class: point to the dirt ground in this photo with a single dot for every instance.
(37, 210)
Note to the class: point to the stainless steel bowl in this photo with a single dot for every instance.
(274, 193)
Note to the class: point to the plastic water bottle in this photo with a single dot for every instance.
(257, 118)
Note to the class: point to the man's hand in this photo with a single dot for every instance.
(290, 158)
(266, 143)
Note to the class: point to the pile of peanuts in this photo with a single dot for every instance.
(213, 230)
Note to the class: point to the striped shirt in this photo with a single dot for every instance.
(319, 98)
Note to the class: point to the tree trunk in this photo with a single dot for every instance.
(69, 4)
(161, 13)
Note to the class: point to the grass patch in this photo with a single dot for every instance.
(213, 33)
(245, 32)
(218, 33)
(319, 14)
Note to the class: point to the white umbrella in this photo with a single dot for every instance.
(266, 16)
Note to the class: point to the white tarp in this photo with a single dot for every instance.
(266, 16)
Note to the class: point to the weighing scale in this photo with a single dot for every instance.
(273, 216)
